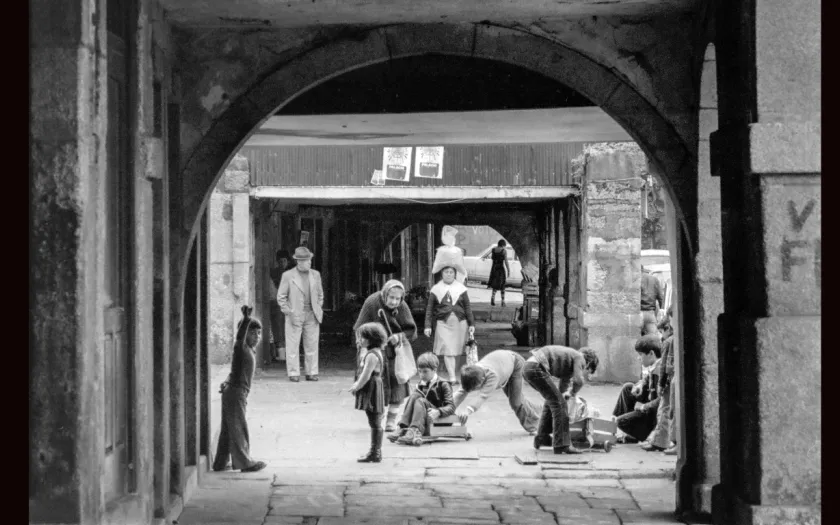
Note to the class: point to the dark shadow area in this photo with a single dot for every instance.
(432, 83)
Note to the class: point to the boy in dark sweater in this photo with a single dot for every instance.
(638, 421)
(431, 401)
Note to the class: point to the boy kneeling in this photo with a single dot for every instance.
(431, 401)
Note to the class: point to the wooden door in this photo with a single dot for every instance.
(117, 248)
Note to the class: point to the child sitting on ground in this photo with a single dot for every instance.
(637, 423)
(368, 388)
(432, 400)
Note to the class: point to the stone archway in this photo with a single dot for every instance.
(656, 132)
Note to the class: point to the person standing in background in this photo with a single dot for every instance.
(301, 299)
(277, 320)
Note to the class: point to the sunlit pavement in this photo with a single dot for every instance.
(310, 436)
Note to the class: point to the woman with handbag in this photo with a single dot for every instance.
(449, 312)
(397, 320)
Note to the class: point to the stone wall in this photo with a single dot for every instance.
(229, 258)
(612, 224)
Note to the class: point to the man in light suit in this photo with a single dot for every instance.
(301, 298)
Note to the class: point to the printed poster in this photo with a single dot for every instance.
(428, 162)
(378, 179)
(396, 163)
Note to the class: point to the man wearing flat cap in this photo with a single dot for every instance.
(301, 298)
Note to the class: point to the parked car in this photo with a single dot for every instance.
(478, 267)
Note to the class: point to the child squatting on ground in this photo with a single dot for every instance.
(368, 388)
(430, 401)
(233, 437)
(637, 404)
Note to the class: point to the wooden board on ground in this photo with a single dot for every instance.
(526, 458)
(437, 450)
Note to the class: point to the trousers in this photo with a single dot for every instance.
(415, 413)
(234, 442)
(527, 412)
(310, 330)
(634, 423)
(555, 413)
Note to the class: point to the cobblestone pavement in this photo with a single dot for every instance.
(310, 436)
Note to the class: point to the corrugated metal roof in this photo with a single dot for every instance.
(463, 165)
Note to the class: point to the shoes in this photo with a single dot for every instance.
(397, 435)
(567, 450)
(650, 447)
(256, 467)
(411, 437)
(503, 303)
(492, 302)
(294, 379)
(671, 451)
(223, 469)
(374, 455)
(542, 441)
(311, 378)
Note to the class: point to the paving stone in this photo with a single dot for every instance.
(639, 517)
(492, 472)
(514, 515)
(462, 503)
(646, 473)
(559, 503)
(474, 492)
(284, 520)
(523, 484)
(422, 512)
(572, 484)
(604, 492)
(365, 521)
(566, 466)
(316, 483)
(293, 509)
(612, 503)
(452, 480)
(378, 500)
(291, 490)
(388, 489)
(304, 500)
(664, 485)
(520, 505)
(580, 474)
(588, 517)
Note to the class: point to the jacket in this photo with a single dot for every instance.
(290, 295)
(435, 311)
(564, 363)
(400, 320)
(651, 293)
(439, 394)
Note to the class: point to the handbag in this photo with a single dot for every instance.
(404, 365)
(471, 350)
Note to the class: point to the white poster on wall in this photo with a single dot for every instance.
(377, 179)
(428, 162)
(396, 163)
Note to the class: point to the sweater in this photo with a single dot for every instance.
(498, 366)
(436, 311)
(564, 363)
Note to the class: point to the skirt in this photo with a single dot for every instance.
(498, 277)
(450, 336)
(371, 398)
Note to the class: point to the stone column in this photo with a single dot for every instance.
(767, 154)
(67, 113)
(228, 258)
(612, 273)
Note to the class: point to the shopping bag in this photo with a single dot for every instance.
(404, 365)
(471, 349)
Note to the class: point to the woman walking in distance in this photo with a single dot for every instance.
(499, 272)
(390, 301)
(233, 437)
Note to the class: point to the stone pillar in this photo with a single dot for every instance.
(699, 462)
(67, 114)
(612, 231)
(767, 154)
(229, 255)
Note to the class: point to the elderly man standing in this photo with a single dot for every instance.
(301, 298)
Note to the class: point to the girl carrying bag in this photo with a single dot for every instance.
(404, 365)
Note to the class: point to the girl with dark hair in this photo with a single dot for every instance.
(368, 388)
(233, 437)
(499, 272)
